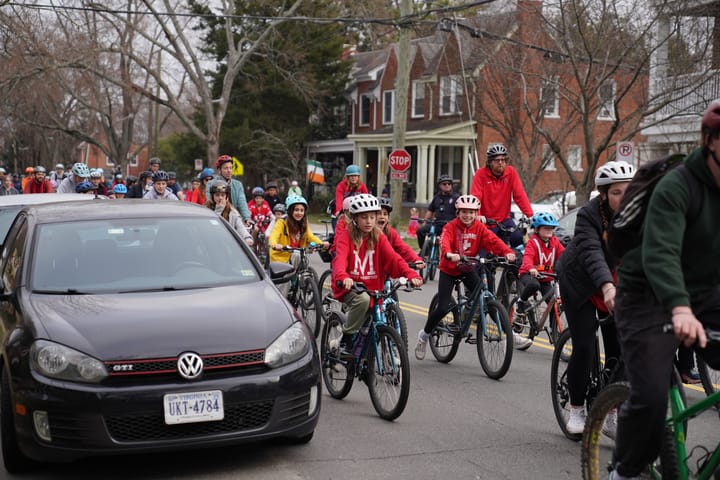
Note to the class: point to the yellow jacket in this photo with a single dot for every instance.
(281, 236)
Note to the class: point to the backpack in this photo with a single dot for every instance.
(330, 210)
(625, 229)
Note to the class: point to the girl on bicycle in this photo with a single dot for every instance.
(350, 186)
(383, 219)
(586, 272)
(219, 204)
(542, 250)
(463, 236)
(260, 212)
(363, 254)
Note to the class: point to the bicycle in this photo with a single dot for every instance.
(260, 245)
(304, 294)
(379, 357)
(493, 338)
(674, 457)
(535, 319)
(603, 372)
(506, 286)
(430, 252)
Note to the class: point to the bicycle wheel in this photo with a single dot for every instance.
(559, 392)
(709, 376)
(396, 319)
(338, 375)
(494, 340)
(325, 287)
(597, 449)
(434, 261)
(261, 251)
(445, 339)
(309, 305)
(553, 330)
(388, 374)
(507, 288)
(523, 324)
(425, 255)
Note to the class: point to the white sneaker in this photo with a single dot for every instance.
(334, 344)
(520, 342)
(421, 344)
(609, 427)
(576, 422)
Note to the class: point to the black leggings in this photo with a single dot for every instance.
(445, 290)
(531, 285)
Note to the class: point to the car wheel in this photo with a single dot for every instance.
(15, 461)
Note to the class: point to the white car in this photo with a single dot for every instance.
(556, 203)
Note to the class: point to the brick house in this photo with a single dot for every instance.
(94, 157)
(469, 84)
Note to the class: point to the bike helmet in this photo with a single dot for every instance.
(29, 170)
(271, 185)
(711, 120)
(495, 150)
(206, 173)
(363, 203)
(120, 188)
(219, 186)
(346, 203)
(222, 159)
(80, 170)
(293, 199)
(172, 175)
(280, 207)
(258, 192)
(385, 203)
(95, 174)
(40, 169)
(59, 166)
(469, 202)
(160, 176)
(444, 178)
(352, 170)
(543, 219)
(131, 179)
(613, 172)
(84, 187)
(145, 174)
(154, 161)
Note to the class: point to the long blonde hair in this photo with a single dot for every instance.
(357, 236)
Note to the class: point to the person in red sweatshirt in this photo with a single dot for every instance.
(405, 251)
(363, 254)
(496, 185)
(39, 184)
(347, 187)
(466, 235)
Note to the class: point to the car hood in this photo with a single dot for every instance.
(160, 324)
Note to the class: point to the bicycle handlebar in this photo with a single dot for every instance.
(713, 336)
(359, 287)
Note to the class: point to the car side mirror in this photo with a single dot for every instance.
(281, 272)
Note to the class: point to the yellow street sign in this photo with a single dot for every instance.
(238, 167)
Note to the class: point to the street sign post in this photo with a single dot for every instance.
(398, 176)
(399, 160)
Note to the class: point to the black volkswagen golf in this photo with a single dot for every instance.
(138, 326)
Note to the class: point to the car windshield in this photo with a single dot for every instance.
(131, 255)
(7, 216)
(568, 221)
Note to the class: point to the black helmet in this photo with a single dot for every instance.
(145, 174)
(444, 178)
(385, 203)
(160, 176)
(172, 175)
(271, 185)
(131, 178)
(154, 161)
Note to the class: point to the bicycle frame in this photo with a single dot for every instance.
(553, 300)
(477, 300)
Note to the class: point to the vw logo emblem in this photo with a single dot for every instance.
(190, 365)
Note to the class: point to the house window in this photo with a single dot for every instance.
(109, 162)
(449, 95)
(548, 159)
(365, 109)
(550, 98)
(606, 101)
(134, 161)
(388, 107)
(574, 158)
(418, 99)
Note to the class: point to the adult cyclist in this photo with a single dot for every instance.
(80, 173)
(224, 165)
(442, 208)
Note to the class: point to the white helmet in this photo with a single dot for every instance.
(469, 202)
(613, 172)
(364, 203)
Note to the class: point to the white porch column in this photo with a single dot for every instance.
(380, 173)
(422, 174)
(360, 160)
(466, 179)
(430, 179)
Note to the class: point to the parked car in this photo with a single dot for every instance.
(566, 229)
(179, 340)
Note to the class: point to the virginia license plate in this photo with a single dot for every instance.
(193, 407)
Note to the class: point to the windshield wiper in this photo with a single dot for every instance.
(159, 289)
(69, 291)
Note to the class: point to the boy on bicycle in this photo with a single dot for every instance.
(407, 253)
(541, 252)
(463, 236)
(363, 254)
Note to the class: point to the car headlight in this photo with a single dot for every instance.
(288, 347)
(58, 361)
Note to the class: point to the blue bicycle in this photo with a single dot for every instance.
(430, 252)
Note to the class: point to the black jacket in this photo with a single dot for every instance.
(585, 264)
(136, 191)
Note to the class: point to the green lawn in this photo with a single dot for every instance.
(402, 228)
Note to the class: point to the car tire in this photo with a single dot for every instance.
(15, 461)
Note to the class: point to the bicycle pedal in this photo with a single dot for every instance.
(453, 328)
(471, 340)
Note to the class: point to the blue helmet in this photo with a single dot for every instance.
(206, 173)
(293, 199)
(120, 188)
(352, 170)
(543, 219)
(85, 186)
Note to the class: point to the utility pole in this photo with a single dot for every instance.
(401, 96)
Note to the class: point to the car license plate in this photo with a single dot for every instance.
(193, 407)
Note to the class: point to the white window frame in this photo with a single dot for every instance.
(551, 87)
(360, 110)
(418, 94)
(547, 153)
(450, 87)
(388, 102)
(606, 106)
(574, 158)
(133, 160)
(109, 162)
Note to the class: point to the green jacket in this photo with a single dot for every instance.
(677, 261)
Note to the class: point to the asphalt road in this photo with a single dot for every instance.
(458, 424)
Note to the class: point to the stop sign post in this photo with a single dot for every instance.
(399, 160)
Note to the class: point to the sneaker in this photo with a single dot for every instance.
(610, 424)
(421, 345)
(691, 377)
(334, 344)
(576, 422)
(520, 342)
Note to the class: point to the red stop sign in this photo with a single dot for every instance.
(399, 160)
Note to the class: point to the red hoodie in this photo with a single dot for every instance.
(33, 186)
(341, 191)
(370, 267)
(468, 241)
(496, 193)
(538, 253)
(402, 248)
